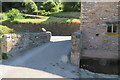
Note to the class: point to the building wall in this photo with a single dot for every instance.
(13, 44)
(93, 17)
(93, 30)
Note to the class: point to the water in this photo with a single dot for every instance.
(110, 67)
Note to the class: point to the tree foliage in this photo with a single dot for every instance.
(3, 16)
(6, 30)
(30, 6)
(49, 6)
(71, 6)
(6, 6)
(14, 14)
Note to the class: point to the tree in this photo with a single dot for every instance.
(52, 6)
(71, 6)
(14, 14)
(49, 5)
(9, 5)
(30, 6)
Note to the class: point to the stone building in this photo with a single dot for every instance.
(99, 31)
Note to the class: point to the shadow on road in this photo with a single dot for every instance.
(52, 57)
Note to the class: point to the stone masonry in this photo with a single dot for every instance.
(13, 44)
(76, 47)
(94, 28)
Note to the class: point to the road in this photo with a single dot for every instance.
(47, 61)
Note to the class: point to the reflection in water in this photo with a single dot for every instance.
(95, 65)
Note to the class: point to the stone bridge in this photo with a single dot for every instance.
(44, 61)
(18, 44)
(13, 44)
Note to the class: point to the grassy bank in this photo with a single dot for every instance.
(66, 24)
(67, 14)
(35, 19)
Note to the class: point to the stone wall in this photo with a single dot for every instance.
(76, 50)
(55, 28)
(13, 44)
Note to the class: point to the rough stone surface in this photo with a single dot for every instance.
(13, 44)
(93, 20)
(76, 47)
(94, 29)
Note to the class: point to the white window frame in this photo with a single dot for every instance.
(112, 29)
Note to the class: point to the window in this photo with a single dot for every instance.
(112, 28)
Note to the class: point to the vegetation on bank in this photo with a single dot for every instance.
(5, 30)
(44, 20)
(36, 19)
(3, 16)
(67, 15)
(41, 12)
(14, 14)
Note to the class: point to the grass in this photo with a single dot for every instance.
(67, 14)
(34, 16)
(49, 20)
(42, 19)
(58, 18)
(5, 30)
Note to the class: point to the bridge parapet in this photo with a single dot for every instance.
(77, 49)
(13, 44)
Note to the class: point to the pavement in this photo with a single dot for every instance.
(47, 61)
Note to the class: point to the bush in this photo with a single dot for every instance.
(5, 30)
(30, 6)
(71, 6)
(42, 12)
(3, 16)
(14, 14)
(47, 13)
(4, 56)
(39, 12)
(52, 6)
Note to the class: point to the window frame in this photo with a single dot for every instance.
(112, 29)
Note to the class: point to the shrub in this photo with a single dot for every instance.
(52, 6)
(3, 16)
(47, 13)
(42, 12)
(39, 5)
(30, 6)
(71, 6)
(14, 14)
(4, 56)
(39, 12)
(5, 30)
